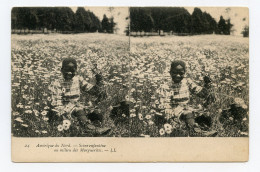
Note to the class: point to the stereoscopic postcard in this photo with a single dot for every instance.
(130, 84)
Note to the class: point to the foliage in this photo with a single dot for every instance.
(107, 24)
(224, 26)
(245, 31)
(59, 18)
(176, 19)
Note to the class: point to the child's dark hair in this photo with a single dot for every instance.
(176, 63)
(67, 61)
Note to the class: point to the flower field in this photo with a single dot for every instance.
(224, 59)
(36, 62)
(135, 75)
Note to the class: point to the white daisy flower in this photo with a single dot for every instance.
(132, 115)
(168, 131)
(25, 125)
(167, 127)
(16, 113)
(161, 131)
(66, 122)
(60, 127)
(44, 112)
(150, 122)
(140, 116)
(19, 119)
(148, 116)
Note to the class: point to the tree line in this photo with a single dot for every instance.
(60, 19)
(176, 19)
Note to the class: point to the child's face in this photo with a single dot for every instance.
(177, 74)
(68, 71)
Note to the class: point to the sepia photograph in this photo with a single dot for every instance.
(108, 80)
(69, 70)
(190, 71)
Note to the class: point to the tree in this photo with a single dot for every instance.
(212, 24)
(95, 22)
(86, 21)
(148, 23)
(245, 31)
(224, 26)
(64, 19)
(136, 18)
(112, 25)
(198, 23)
(228, 27)
(169, 19)
(159, 16)
(105, 24)
(24, 18)
(221, 25)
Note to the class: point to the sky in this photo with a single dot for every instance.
(236, 15)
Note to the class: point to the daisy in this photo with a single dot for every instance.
(66, 122)
(161, 106)
(132, 110)
(25, 125)
(132, 115)
(161, 131)
(19, 119)
(19, 105)
(127, 98)
(36, 113)
(140, 116)
(168, 131)
(152, 111)
(28, 111)
(16, 113)
(148, 117)
(244, 106)
(44, 112)
(27, 107)
(167, 127)
(150, 122)
(60, 127)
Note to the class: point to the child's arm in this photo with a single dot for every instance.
(85, 85)
(203, 92)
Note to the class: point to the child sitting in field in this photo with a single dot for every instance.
(178, 94)
(66, 94)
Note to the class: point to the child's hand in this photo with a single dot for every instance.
(207, 81)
